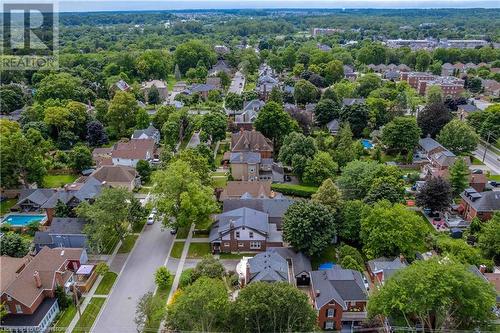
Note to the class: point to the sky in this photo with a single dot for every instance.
(124, 5)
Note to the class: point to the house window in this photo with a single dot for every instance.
(329, 325)
(9, 298)
(254, 245)
(241, 245)
(250, 234)
(226, 244)
(330, 313)
(237, 234)
(19, 309)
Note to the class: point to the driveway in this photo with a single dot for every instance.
(136, 279)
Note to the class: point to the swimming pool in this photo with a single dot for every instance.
(367, 144)
(21, 220)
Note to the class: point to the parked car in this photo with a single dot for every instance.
(494, 183)
(477, 171)
(173, 231)
(151, 219)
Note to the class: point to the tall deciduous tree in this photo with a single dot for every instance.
(14, 245)
(319, 168)
(436, 194)
(146, 308)
(275, 123)
(459, 176)
(333, 72)
(96, 134)
(388, 188)
(433, 118)
(214, 124)
(329, 195)
(272, 307)
(351, 214)
(296, 150)
(309, 227)
(389, 230)
(305, 92)
(121, 114)
(80, 158)
(401, 134)
(437, 294)
(459, 137)
(325, 111)
(489, 238)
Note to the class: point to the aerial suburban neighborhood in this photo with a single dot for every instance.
(253, 170)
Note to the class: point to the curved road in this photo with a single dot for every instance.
(136, 279)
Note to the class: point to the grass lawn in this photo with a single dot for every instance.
(55, 181)
(219, 181)
(476, 161)
(65, 318)
(198, 250)
(328, 255)
(494, 177)
(177, 250)
(128, 244)
(171, 81)
(88, 317)
(6, 205)
(106, 283)
(235, 255)
(426, 222)
(160, 298)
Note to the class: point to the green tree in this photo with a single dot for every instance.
(388, 230)
(436, 194)
(423, 61)
(367, 83)
(459, 299)
(489, 238)
(153, 96)
(351, 252)
(103, 227)
(333, 72)
(208, 267)
(147, 306)
(180, 195)
(121, 114)
(197, 162)
(309, 227)
(386, 188)
(59, 118)
(14, 245)
(325, 111)
(234, 101)
(214, 124)
(434, 95)
(144, 170)
(458, 249)
(274, 123)
(487, 122)
(459, 137)
(296, 150)
(154, 64)
(401, 134)
(357, 116)
(162, 277)
(351, 214)
(61, 86)
(193, 52)
(372, 54)
(345, 151)
(202, 306)
(11, 98)
(349, 262)
(329, 195)
(80, 158)
(319, 168)
(272, 307)
(459, 176)
(433, 118)
(305, 92)
(276, 95)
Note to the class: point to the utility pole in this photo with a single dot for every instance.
(77, 300)
(487, 144)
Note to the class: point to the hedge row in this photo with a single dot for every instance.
(295, 190)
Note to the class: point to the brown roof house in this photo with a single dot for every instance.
(339, 297)
(235, 189)
(160, 85)
(117, 176)
(28, 287)
(243, 230)
(252, 157)
(479, 204)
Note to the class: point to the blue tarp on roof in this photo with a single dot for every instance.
(326, 266)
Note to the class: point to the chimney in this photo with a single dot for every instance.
(482, 268)
(38, 280)
(402, 258)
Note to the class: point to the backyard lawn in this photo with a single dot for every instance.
(55, 181)
(88, 317)
(177, 250)
(127, 244)
(6, 205)
(198, 250)
(106, 283)
(219, 181)
(65, 318)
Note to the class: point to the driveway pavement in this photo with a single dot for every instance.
(136, 279)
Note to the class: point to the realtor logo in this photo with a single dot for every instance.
(29, 36)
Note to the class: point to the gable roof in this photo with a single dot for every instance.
(444, 158)
(467, 107)
(274, 207)
(488, 201)
(136, 149)
(245, 157)
(151, 131)
(46, 263)
(429, 144)
(300, 262)
(233, 189)
(38, 196)
(268, 267)
(80, 191)
(333, 125)
(202, 87)
(255, 104)
(67, 225)
(114, 174)
(352, 101)
(239, 218)
(245, 141)
(387, 265)
(338, 284)
(10, 268)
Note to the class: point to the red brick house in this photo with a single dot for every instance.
(28, 286)
(479, 204)
(243, 230)
(381, 269)
(340, 297)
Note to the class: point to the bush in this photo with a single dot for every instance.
(62, 299)
(210, 267)
(186, 278)
(349, 251)
(162, 277)
(295, 190)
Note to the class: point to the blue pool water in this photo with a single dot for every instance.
(367, 144)
(20, 220)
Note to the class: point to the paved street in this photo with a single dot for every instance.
(237, 84)
(491, 159)
(135, 280)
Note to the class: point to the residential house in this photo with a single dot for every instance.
(464, 110)
(333, 126)
(122, 85)
(479, 204)
(203, 89)
(251, 156)
(31, 200)
(27, 287)
(265, 84)
(117, 176)
(220, 66)
(160, 85)
(381, 269)
(450, 86)
(352, 101)
(250, 112)
(280, 264)
(274, 205)
(221, 49)
(149, 133)
(102, 156)
(130, 152)
(243, 230)
(349, 73)
(214, 81)
(235, 189)
(324, 47)
(429, 146)
(339, 296)
(491, 88)
(64, 232)
(447, 69)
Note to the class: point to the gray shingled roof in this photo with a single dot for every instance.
(468, 107)
(387, 265)
(150, 132)
(485, 201)
(333, 125)
(429, 144)
(38, 196)
(67, 225)
(268, 267)
(300, 262)
(42, 238)
(338, 284)
(352, 101)
(241, 217)
(273, 207)
(245, 157)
